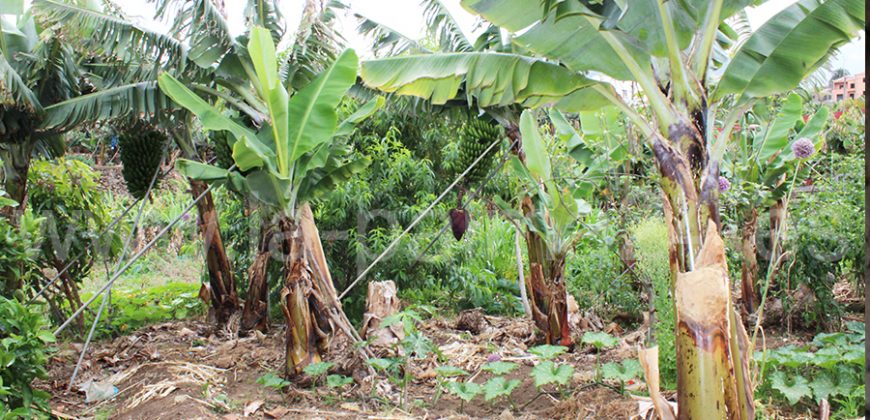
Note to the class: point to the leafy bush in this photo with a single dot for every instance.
(827, 237)
(18, 253)
(23, 354)
(650, 239)
(831, 367)
(67, 194)
(597, 277)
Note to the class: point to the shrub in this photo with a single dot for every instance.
(827, 237)
(596, 276)
(650, 240)
(133, 309)
(18, 253)
(23, 354)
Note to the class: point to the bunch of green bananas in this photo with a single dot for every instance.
(477, 135)
(222, 150)
(141, 152)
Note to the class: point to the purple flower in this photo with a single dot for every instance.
(724, 184)
(493, 358)
(803, 148)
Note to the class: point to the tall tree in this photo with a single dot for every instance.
(689, 81)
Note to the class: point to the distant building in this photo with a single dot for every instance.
(848, 87)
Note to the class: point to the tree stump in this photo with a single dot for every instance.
(381, 302)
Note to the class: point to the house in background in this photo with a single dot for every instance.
(847, 87)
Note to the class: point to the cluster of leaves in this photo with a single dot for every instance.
(846, 133)
(19, 249)
(413, 157)
(652, 262)
(830, 367)
(500, 386)
(24, 348)
(67, 194)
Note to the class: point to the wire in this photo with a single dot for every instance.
(472, 196)
(136, 257)
(418, 219)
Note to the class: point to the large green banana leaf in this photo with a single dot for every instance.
(494, 79)
(790, 46)
(120, 101)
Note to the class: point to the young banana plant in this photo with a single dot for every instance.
(292, 159)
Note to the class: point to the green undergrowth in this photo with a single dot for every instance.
(135, 308)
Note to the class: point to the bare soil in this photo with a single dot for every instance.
(183, 370)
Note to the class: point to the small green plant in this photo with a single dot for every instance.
(23, 353)
(549, 372)
(625, 372)
(271, 380)
(499, 386)
(601, 341)
(317, 370)
(443, 374)
(466, 391)
(338, 381)
(414, 345)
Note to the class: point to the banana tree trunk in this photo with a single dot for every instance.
(255, 315)
(16, 164)
(310, 304)
(749, 271)
(224, 300)
(548, 297)
(712, 346)
(777, 231)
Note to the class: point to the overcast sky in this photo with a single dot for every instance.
(406, 16)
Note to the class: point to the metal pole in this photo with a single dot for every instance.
(108, 294)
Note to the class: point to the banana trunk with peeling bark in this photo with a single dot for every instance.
(713, 378)
(749, 272)
(310, 304)
(222, 283)
(546, 287)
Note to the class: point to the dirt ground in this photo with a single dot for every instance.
(183, 370)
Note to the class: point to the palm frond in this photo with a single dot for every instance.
(13, 89)
(317, 45)
(135, 99)
(387, 41)
(265, 13)
(200, 24)
(111, 35)
(443, 28)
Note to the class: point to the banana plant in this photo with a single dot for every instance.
(291, 160)
(550, 216)
(36, 71)
(755, 172)
(122, 61)
(694, 80)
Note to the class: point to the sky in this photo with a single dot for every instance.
(406, 17)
